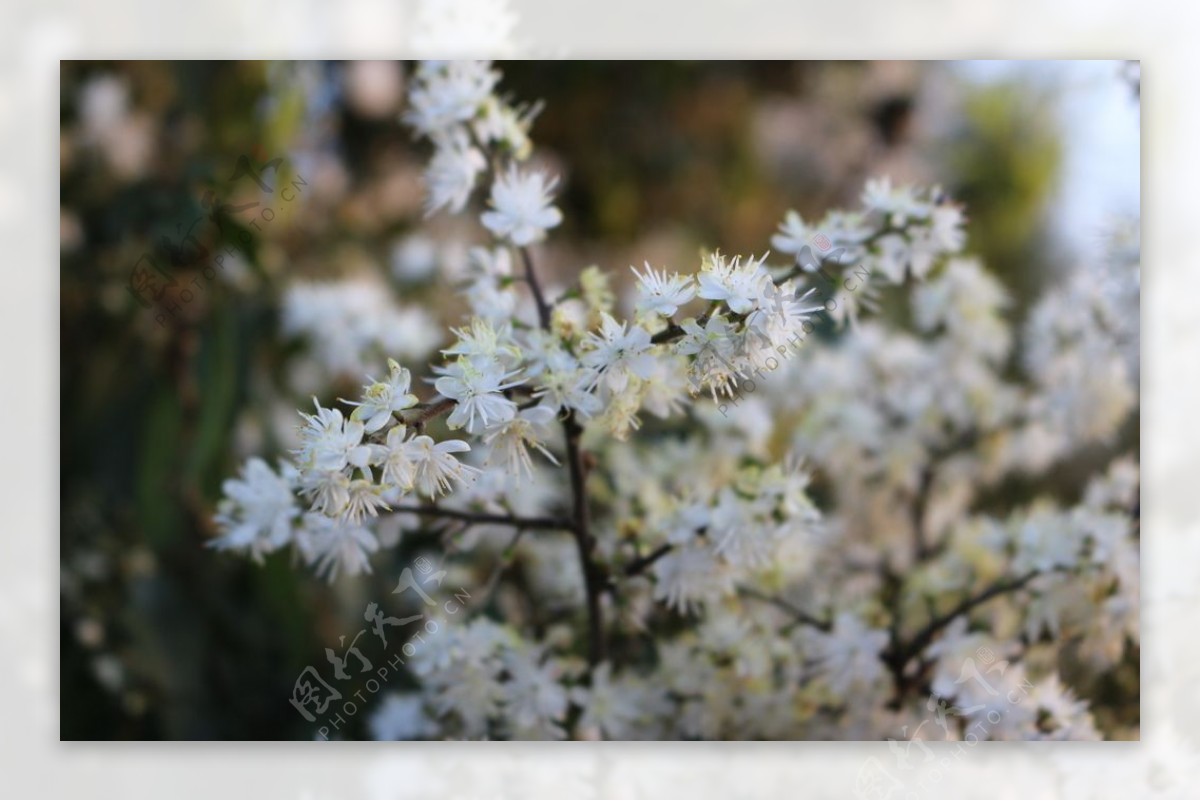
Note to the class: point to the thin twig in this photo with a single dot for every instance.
(592, 576)
(897, 655)
(640, 564)
(673, 331)
(481, 517)
(506, 560)
(538, 298)
(424, 412)
(799, 614)
(592, 579)
(921, 547)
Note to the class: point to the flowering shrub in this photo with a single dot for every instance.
(681, 581)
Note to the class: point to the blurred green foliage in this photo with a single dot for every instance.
(1003, 163)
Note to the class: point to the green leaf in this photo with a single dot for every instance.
(158, 504)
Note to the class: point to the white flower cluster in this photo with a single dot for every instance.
(453, 104)
(898, 232)
(1081, 349)
(484, 678)
(722, 538)
(348, 323)
(348, 468)
(692, 566)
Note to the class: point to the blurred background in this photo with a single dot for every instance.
(300, 176)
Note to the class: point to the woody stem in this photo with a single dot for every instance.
(480, 517)
(593, 578)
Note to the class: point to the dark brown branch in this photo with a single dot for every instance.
(673, 331)
(797, 613)
(506, 559)
(921, 547)
(538, 298)
(424, 412)
(926, 635)
(480, 517)
(593, 577)
(642, 563)
(898, 655)
(668, 334)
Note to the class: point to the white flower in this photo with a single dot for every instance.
(493, 262)
(399, 471)
(898, 204)
(382, 398)
(849, 654)
(617, 353)
(509, 440)
(715, 334)
(461, 670)
(521, 210)
(917, 423)
(780, 314)
(609, 708)
(739, 285)
(505, 125)
(489, 291)
(665, 392)
(740, 538)
(565, 385)
(793, 236)
(596, 289)
(713, 346)
(330, 442)
(345, 322)
(689, 577)
(257, 511)
(414, 258)
(434, 465)
(1046, 541)
(660, 294)
(895, 254)
(848, 229)
(536, 703)
(1116, 488)
(540, 349)
(1067, 717)
(364, 500)
(335, 546)
(451, 174)
(401, 716)
(485, 342)
(446, 93)
(620, 417)
(570, 318)
(328, 491)
(490, 300)
(103, 106)
(946, 228)
(476, 386)
(683, 521)
(968, 301)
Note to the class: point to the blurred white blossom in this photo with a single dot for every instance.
(770, 514)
